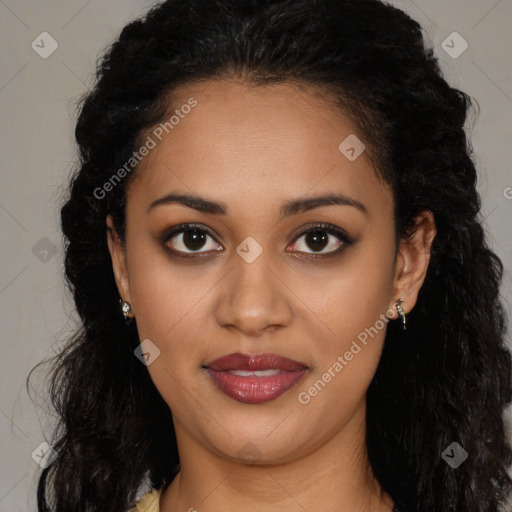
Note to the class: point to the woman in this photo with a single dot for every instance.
(287, 298)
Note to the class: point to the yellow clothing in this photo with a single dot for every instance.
(150, 502)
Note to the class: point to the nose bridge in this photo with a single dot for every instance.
(253, 297)
(253, 280)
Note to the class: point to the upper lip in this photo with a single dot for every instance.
(267, 361)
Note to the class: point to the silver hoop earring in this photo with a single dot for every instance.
(127, 310)
(401, 312)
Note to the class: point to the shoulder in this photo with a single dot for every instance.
(150, 502)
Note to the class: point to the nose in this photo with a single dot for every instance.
(253, 298)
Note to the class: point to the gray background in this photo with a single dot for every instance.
(37, 114)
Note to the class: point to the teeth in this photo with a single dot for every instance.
(258, 373)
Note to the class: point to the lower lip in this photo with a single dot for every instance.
(255, 390)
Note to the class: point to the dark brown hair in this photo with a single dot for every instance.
(446, 379)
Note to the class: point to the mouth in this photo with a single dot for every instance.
(255, 379)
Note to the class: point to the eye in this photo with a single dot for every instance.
(322, 237)
(190, 237)
(187, 240)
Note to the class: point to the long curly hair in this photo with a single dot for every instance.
(446, 379)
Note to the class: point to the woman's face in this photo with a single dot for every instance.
(254, 160)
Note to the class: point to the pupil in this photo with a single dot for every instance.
(318, 239)
(194, 239)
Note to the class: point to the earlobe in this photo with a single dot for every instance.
(118, 257)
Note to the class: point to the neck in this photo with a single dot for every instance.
(335, 477)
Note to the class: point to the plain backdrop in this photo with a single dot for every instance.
(38, 97)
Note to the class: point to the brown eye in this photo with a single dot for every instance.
(317, 240)
(322, 240)
(190, 239)
(194, 239)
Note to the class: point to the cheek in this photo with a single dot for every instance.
(164, 293)
(352, 299)
(173, 309)
(169, 312)
(352, 309)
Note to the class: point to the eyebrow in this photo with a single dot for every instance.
(288, 208)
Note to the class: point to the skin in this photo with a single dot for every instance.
(252, 149)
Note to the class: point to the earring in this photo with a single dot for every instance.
(127, 310)
(401, 312)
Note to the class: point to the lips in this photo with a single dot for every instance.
(255, 379)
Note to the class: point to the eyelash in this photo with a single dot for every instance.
(331, 229)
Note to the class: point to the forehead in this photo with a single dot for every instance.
(255, 144)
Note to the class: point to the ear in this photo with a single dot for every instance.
(412, 261)
(118, 256)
